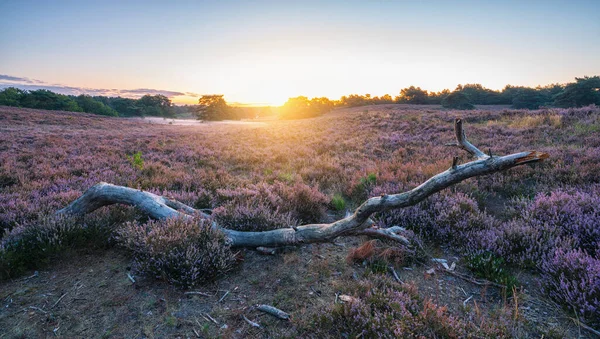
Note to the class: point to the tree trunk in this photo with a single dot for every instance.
(358, 223)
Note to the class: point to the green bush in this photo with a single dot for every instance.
(492, 268)
(136, 160)
(338, 202)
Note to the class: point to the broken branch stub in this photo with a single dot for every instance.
(359, 222)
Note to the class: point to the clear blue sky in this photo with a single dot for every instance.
(267, 51)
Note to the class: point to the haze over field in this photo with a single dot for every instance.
(265, 52)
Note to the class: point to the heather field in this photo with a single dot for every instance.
(525, 243)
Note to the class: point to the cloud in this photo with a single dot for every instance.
(32, 84)
(4, 77)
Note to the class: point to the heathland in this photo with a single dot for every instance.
(522, 247)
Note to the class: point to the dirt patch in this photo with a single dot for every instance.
(85, 295)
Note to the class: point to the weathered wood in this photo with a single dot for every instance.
(359, 222)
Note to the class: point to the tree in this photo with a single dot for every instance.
(89, 105)
(213, 107)
(301, 107)
(530, 98)
(45, 99)
(412, 95)
(457, 100)
(584, 91)
(480, 95)
(359, 223)
(155, 105)
(11, 96)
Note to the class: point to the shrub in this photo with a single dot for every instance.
(378, 255)
(382, 309)
(32, 245)
(361, 190)
(252, 217)
(184, 252)
(572, 278)
(492, 268)
(442, 218)
(136, 160)
(338, 202)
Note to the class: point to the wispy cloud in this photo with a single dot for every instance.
(4, 77)
(33, 84)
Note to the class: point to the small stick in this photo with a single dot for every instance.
(198, 293)
(274, 311)
(130, 277)
(212, 319)
(35, 274)
(252, 323)
(395, 275)
(467, 300)
(196, 333)
(59, 299)
(39, 309)
(454, 162)
(223, 297)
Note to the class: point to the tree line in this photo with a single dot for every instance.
(148, 105)
(584, 91)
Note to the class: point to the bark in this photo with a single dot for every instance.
(359, 222)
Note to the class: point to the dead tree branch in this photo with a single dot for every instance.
(359, 222)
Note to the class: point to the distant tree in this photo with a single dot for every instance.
(480, 95)
(155, 105)
(457, 100)
(213, 107)
(435, 98)
(301, 107)
(295, 108)
(412, 95)
(354, 100)
(126, 107)
(45, 99)
(584, 91)
(89, 105)
(320, 106)
(527, 97)
(11, 96)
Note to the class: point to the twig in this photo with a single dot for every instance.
(223, 297)
(467, 300)
(130, 277)
(273, 311)
(395, 275)
(252, 323)
(198, 293)
(35, 274)
(212, 319)
(39, 309)
(196, 333)
(59, 299)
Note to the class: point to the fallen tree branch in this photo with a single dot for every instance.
(157, 207)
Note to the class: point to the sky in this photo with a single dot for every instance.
(263, 52)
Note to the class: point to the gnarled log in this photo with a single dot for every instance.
(359, 222)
